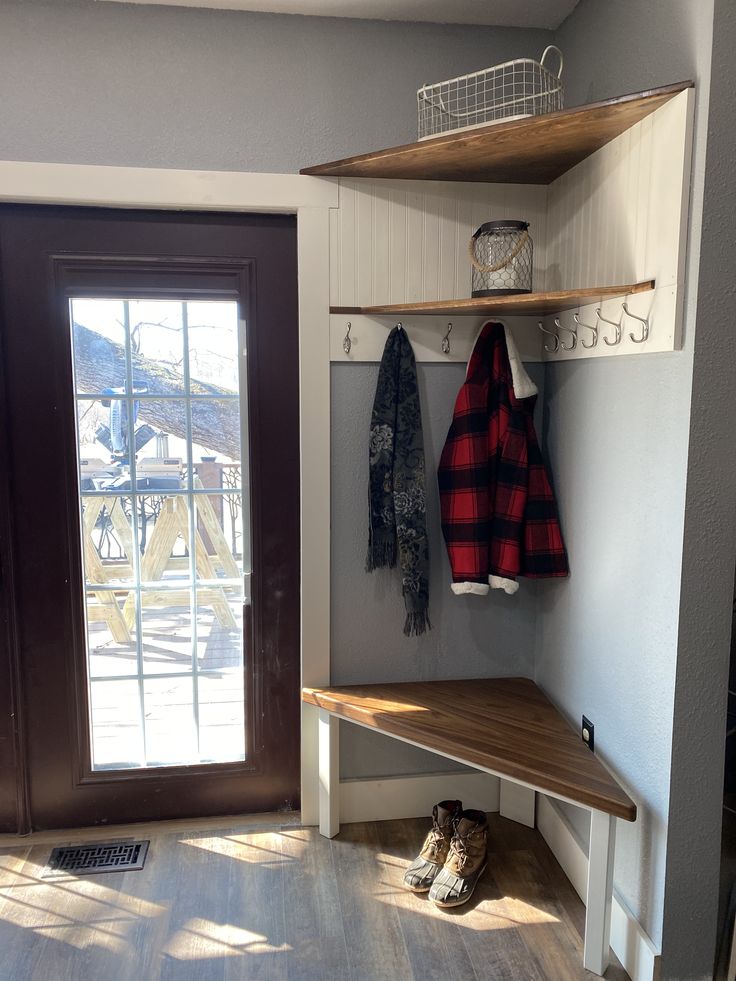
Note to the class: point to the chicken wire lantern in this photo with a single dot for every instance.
(501, 255)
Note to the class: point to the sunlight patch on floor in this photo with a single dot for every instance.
(263, 849)
(487, 910)
(199, 939)
(80, 912)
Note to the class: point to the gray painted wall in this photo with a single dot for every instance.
(617, 435)
(472, 636)
(149, 86)
(693, 844)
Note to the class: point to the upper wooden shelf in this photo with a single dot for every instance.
(536, 150)
(505, 725)
(522, 304)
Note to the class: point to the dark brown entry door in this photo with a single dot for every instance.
(148, 515)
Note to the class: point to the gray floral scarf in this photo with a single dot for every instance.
(396, 484)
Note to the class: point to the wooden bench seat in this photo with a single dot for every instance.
(504, 726)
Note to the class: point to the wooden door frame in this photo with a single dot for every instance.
(310, 199)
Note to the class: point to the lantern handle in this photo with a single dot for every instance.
(498, 265)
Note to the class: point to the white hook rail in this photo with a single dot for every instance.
(357, 337)
(605, 324)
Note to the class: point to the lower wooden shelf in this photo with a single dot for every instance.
(521, 304)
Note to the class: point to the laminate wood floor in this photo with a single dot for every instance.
(264, 898)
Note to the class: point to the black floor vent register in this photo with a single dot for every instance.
(114, 856)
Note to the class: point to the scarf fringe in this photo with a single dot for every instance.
(417, 623)
(380, 555)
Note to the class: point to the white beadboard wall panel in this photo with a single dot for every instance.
(335, 257)
(346, 286)
(415, 215)
(618, 216)
(381, 246)
(463, 230)
(448, 246)
(397, 237)
(365, 248)
(668, 202)
(621, 216)
(431, 210)
(405, 241)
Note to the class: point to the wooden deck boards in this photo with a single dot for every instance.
(506, 725)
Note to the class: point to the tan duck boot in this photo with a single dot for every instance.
(465, 863)
(421, 873)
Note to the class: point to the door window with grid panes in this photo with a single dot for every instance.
(164, 498)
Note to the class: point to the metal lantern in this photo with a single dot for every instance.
(501, 255)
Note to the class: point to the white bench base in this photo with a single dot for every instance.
(518, 804)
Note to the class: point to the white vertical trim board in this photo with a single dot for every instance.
(629, 941)
(391, 798)
(329, 774)
(314, 420)
(599, 893)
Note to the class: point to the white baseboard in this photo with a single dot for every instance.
(391, 798)
(629, 941)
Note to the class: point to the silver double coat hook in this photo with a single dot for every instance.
(549, 333)
(642, 320)
(616, 326)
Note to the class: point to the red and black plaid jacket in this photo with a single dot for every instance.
(499, 515)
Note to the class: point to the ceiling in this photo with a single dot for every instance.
(496, 13)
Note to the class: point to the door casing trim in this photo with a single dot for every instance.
(310, 199)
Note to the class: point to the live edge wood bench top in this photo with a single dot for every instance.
(506, 725)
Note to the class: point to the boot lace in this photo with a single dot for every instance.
(459, 848)
(435, 839)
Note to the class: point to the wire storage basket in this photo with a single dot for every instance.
(501, 254)
(516, 89)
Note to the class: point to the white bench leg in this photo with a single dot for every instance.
(329, 774)
(600, 892)
(517, 803)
